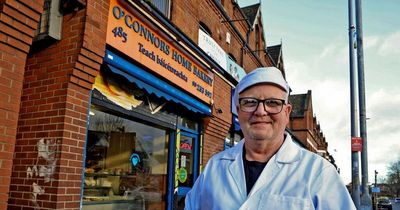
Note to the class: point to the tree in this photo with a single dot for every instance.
(393, 177)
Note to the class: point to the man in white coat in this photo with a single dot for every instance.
(266, 169)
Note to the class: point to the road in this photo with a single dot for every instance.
(395, 206)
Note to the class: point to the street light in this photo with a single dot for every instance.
(375, 191)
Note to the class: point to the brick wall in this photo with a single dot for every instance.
(18, 21)
(217, 127)
(47, 96)
(187, 15)
(53, 115)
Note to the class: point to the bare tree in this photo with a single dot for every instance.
(393, 177)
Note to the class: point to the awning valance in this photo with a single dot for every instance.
(152, 84)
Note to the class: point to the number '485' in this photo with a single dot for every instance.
(119, 32)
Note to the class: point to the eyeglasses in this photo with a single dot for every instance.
(271, 105)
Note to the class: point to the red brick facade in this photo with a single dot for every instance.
(18, 22)
(54, 106)
(187, 14)
(304, 125)
(45, 95)
(217, 127)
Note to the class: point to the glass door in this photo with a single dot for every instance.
(186, 166)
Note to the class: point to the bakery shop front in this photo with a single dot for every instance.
(145, 126)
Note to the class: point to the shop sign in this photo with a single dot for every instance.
(376, 190)
(182, 176)
(141, 41)
(211, 47)
(234, 69)
(356, 144)
(185, 145)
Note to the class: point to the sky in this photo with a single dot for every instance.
(314, 36)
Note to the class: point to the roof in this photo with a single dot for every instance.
(251, 12)
(299, 104)
(275, 52)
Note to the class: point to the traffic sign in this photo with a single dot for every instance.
(376, 189)
(356, 144)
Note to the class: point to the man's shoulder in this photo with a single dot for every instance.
(225, 157)
(316, 160)
(228, 154)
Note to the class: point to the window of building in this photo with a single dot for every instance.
(230, 56)
(164, 6)
(126, 163)
(186, 123)
(222, 2)
(50, 22)
(257, 40)
(205, 28)
(232, 139)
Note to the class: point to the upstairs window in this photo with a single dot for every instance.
(222, 2)
(205, 28)
(230, 56)
(164, 6)
(257, 40)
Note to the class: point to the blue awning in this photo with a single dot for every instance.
(152, 84)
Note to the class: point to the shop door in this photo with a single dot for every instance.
(186, 166)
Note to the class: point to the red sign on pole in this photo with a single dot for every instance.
(356, 144)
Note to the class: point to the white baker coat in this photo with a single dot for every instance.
(293, 179)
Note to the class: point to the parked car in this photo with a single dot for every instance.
(384, 203)
(397, 200)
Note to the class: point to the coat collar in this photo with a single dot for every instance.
(289, 152)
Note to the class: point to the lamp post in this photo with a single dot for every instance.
(365, 196)
(375, 194)
(355, 177)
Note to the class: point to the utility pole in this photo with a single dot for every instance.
(375, 194)
(355, 177)
(365, 197)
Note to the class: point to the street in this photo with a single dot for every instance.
(396, 206)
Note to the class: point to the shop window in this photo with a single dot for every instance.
(126, 164)
(115, 92)
(187, 123)
(232, 140)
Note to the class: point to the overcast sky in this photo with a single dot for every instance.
(314, 36)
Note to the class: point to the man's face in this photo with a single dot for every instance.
(261, 125)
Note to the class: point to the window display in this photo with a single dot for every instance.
(232, 140)
(126, 164)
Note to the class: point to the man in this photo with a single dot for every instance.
(267, 170)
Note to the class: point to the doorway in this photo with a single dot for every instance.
(187, 165)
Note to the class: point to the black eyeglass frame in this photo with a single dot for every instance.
(263, 101)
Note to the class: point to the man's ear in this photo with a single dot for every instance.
(288, 109)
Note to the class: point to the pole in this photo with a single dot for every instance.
(355, 177)
(376, 194)
(365, 197)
